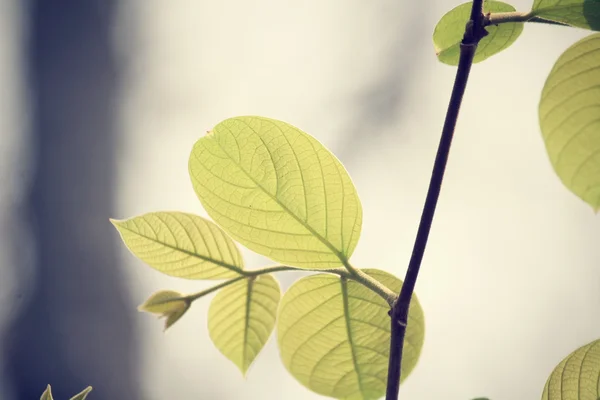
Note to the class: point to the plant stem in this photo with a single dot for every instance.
(474, 32)
(190, 298)
(517, 16)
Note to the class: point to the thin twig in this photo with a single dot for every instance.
(474, 32)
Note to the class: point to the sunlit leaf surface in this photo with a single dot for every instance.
(334, 335)
(180, 244)
(569, 115)
(242, 316)
(278, 191)
(450, 29)
(577, 377)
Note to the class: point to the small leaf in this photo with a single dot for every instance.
(241, 318)
(577, 377)
(334, 335)
(579, 13)
(278, 191)
(182, 245)
(450, 29)
(47, 395)
(83, 394)
(168, 304)
(569, 119)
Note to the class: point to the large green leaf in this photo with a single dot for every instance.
(334, 335)
(580, 13)
(242, 316)
(570, 118)
(180, 244)
(278, 191)
(450, 29)
(577, 377)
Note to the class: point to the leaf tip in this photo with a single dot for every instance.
(83, 394)
(116, 222)
(244, 370)
(47, 395)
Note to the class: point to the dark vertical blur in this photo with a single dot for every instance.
(76, 329)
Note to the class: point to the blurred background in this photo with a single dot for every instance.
(102, 100)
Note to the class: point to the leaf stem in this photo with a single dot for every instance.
(357, 275)
(191, 297)
(474, 32)
(518, 16)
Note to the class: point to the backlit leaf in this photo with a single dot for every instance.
(278, 191)
(569, 118)
(450, 29)
(83, 394)
(180, 244)
(577, 377)
(167, 304)
(334, 335)
(580, 13)
(242, 316)
(47, 395)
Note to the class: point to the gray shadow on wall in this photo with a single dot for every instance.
(76, 327)
(381, 104)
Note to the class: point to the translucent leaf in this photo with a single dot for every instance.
(334, 335)
(569, 118)
(278, 191)
(242, 316)
(577, 377)
(47, 395)
(83, 394)
(182, 245)
(580, 13)
(450, 29)
(167, 304)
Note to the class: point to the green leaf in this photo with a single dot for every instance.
(569, 119)
(278, 191)
(182, 245)
(83, 394)
(450, 29)
(577, 377)
(579, 13)
(242, 316)
(168, 304)
(334, 335)
(47, 395)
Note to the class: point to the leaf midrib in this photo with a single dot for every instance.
(328, 244)
(344, 286)
(223, 264)
(247, 320)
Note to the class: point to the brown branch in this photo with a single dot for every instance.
(474, 32)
